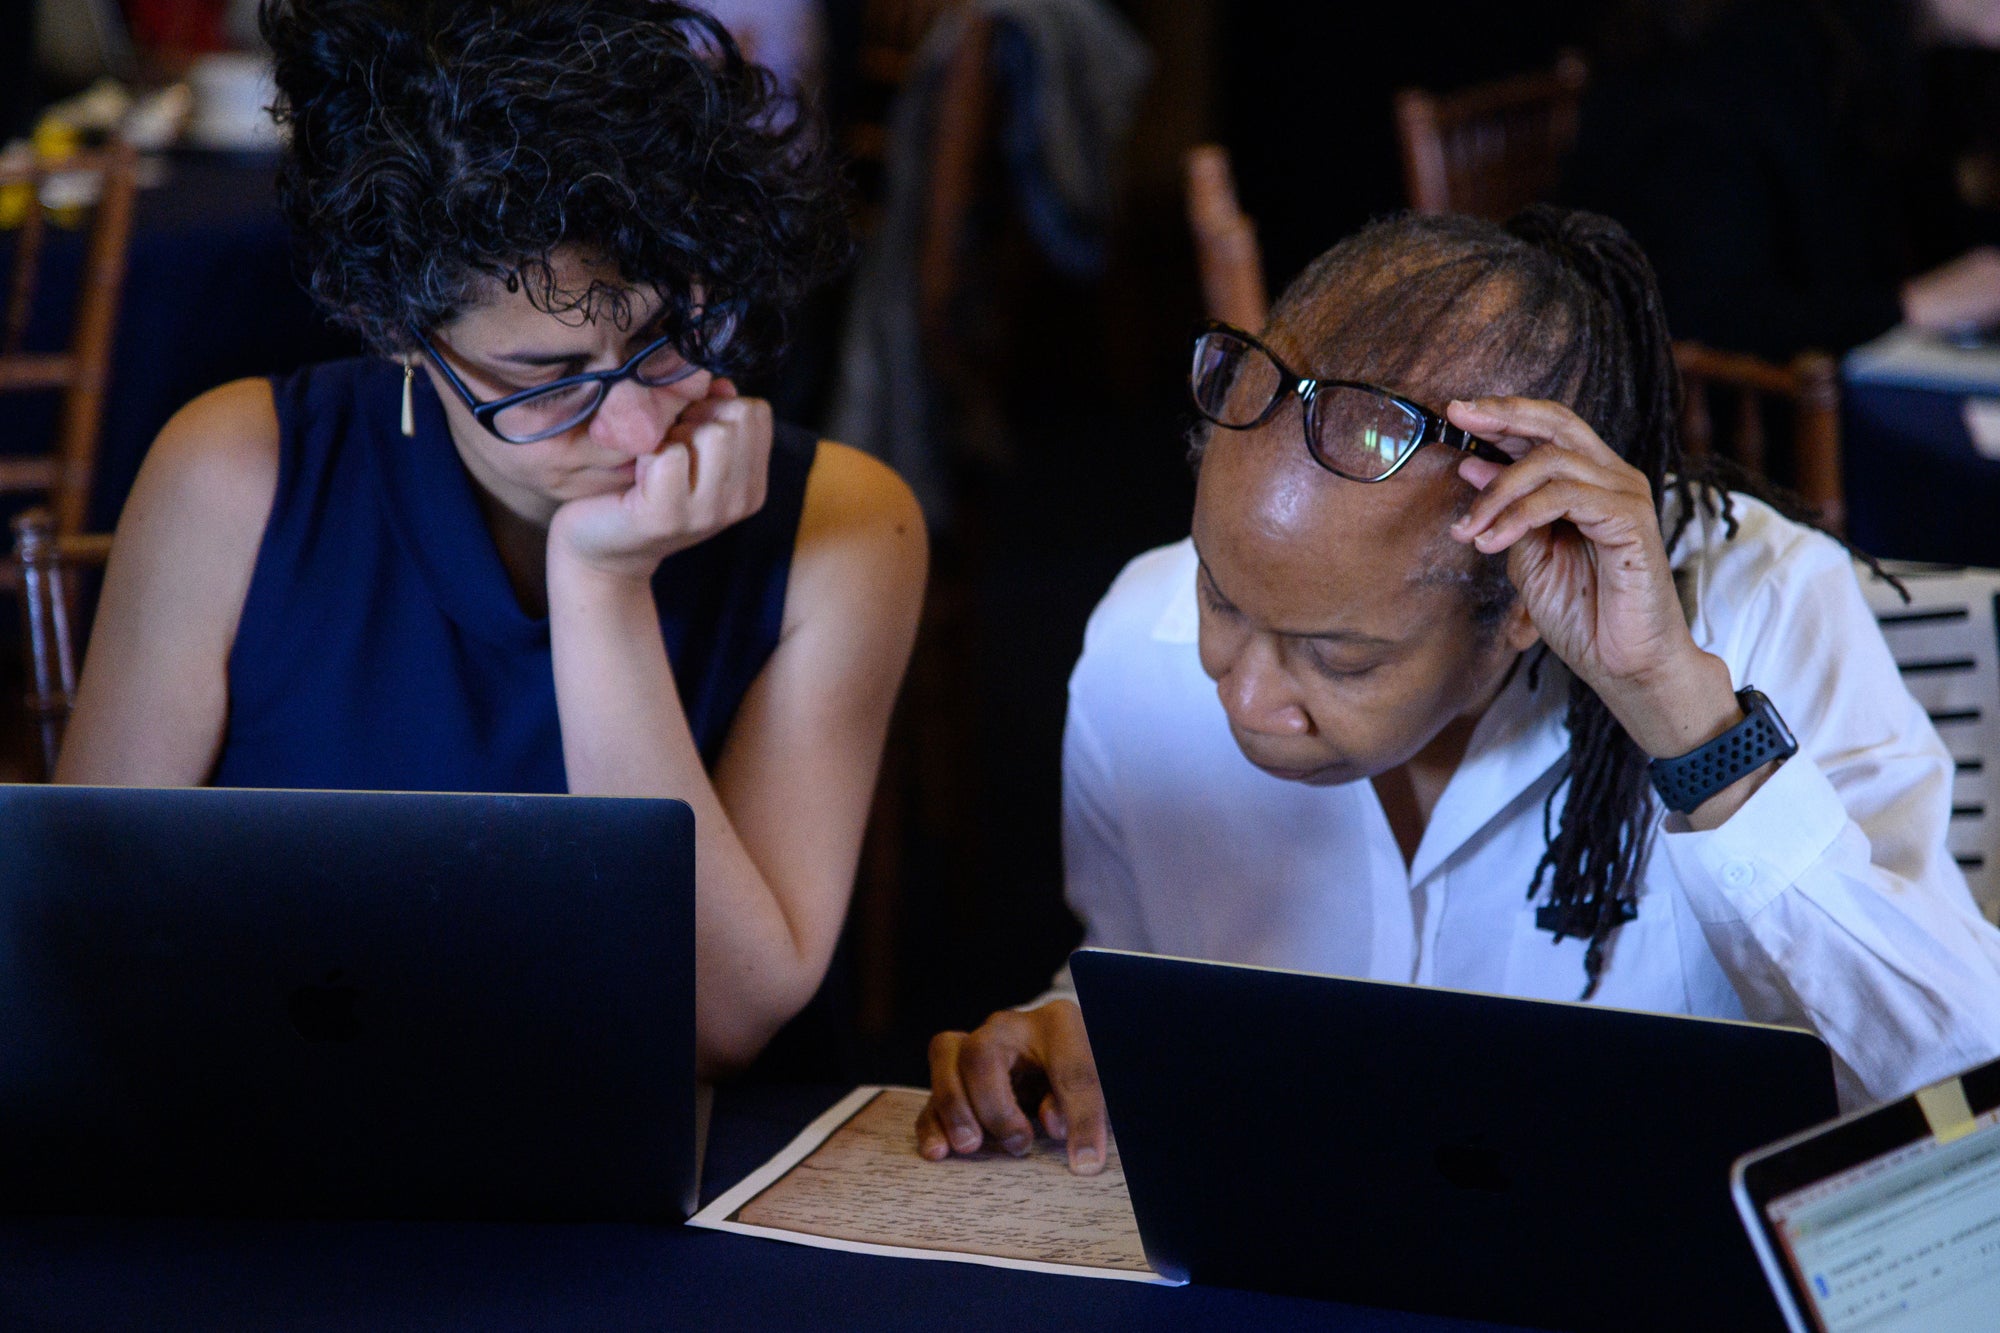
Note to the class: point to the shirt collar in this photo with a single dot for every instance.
(1521, 740)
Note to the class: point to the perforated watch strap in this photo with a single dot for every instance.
(1686, 781)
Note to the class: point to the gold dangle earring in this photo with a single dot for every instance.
(409, 410)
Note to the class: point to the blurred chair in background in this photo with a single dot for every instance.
(1809, 387)
(1491, 149)
(63, 470)
(1944, 642)
(1225, 242)
(52, 571)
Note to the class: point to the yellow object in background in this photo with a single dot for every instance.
(56, 139)
(15, 201)
(53, 141)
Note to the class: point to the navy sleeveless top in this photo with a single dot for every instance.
(381, 645)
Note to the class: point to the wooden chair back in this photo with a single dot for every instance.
(80, 373)
(1225, 242)
(1491, 149)
(50, 569)
(1808, 388)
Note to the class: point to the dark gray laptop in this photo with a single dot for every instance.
(1561, 1166)
(346, 1004)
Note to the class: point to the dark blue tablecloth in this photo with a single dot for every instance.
(1917, 489)
(115, 1275)
(209, 296)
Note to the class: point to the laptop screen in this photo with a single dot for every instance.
(1909, 1240)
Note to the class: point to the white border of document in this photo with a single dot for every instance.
(716, 1217)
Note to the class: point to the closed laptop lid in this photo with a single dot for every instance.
(317, 1003)
(1557, 1165)
(1888, 1219)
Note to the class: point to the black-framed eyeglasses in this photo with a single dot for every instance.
(1353, 430)
(550, 409)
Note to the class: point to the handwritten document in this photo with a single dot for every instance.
(853, 1181)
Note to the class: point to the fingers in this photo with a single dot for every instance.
(711, 470)
(947, 1124)
(665, 480)
(1619, 488)
(974, 1079)
(972, 1090)
(734, 445)
(1078, 1099)
(986, 1063)
(1602, 516)
(1518, 424)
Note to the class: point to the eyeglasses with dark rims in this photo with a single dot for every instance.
(548, 410)
(1358, 431)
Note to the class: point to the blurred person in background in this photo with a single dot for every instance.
(1778, 162)
(538, 542)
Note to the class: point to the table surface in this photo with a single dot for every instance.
(1917, 488)
(79, 1273)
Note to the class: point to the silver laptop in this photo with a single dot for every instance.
(1887, 1220)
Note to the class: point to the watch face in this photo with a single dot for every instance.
(1757, 705)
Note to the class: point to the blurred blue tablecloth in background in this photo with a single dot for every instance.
(1918, 486)
(210, 296)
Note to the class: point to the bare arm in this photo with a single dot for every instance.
(154, 696)
(779, 827)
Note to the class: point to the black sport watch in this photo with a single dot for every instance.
(1685, 782)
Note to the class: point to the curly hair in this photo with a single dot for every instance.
(439, 145)
(1559, 304)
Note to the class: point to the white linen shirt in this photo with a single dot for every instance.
(1828, 901)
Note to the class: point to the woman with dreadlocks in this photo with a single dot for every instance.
(1506, 714)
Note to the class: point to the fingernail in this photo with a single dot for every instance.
(965, 1139)
(1086, 1159)
(1017, 1144)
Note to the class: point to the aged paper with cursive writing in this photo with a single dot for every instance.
(853, 1181)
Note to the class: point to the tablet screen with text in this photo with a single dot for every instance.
(1907, 1240)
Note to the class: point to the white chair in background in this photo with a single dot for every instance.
(1946, 640)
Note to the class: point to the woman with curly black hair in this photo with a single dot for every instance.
(539, 542)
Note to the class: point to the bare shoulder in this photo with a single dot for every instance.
(861, 535)
(217, 457)
(188, 539)
(153, 701)
(197, 511)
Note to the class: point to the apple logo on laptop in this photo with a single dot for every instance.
(1471, 1165)
(325, 1011)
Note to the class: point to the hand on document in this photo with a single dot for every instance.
(981, 1081)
